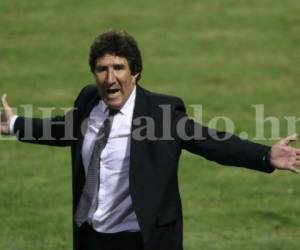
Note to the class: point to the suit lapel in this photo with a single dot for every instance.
(86, 114)
(83, 122)
(82, 130)
(141, 109)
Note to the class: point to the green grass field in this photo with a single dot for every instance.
(224, 54)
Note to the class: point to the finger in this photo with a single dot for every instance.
(294, 170)
(4, 101)
(288, 139)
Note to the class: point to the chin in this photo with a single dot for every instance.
(114, 104)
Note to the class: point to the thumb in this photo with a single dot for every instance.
(287, 140)
(7, 110)
(4, 101)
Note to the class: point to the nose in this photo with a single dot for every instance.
(111, 77)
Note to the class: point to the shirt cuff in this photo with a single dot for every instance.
(12, 124)
(267, 161)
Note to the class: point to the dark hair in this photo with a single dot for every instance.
(119, 43)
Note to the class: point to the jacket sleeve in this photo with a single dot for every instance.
(219, 146)
(54, 131)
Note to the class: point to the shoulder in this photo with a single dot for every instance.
(158, 99)
(88, 90)
(86, 94)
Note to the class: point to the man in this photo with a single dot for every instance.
(125, 186)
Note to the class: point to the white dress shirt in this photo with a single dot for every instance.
(115, 211)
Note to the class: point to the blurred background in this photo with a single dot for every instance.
(223, 54)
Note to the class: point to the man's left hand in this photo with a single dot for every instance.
(285, 157)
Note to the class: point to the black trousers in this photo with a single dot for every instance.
(89, 239)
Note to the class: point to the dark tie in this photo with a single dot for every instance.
(88, 199)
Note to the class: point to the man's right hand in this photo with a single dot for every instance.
(6, 115)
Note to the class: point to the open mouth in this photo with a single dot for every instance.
(112, 91)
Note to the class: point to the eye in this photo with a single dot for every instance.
(99, 69)
(119, 66)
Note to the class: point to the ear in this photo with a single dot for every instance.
(134, 77)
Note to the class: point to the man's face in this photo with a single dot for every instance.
(114, 80)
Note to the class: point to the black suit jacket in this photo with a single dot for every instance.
(153, 162)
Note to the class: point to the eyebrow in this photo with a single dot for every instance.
(105, 67)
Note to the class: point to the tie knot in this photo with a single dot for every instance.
(112, 112)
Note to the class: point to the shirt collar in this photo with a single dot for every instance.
(126, 108)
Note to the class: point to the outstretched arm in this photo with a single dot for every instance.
(234, 151)
(54, 131)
